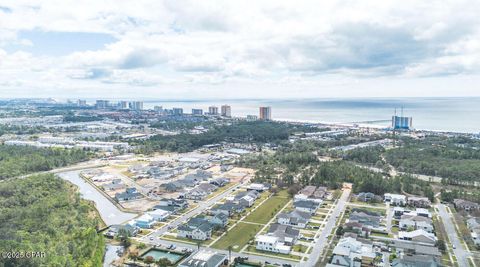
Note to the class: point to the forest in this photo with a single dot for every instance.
(455, 159)
(20, 160)
(238, 132)
(43, 213)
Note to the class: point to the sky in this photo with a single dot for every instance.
(206, 49)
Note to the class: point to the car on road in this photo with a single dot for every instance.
(151, 238)
(454, 247)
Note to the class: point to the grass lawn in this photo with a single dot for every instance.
(238, 237)
(267, 210)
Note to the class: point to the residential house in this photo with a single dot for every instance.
(395, 199)
(416, 260)
(129, 194)
(145, 221)
(197, 228)
(352, 253)
(220, 181)
(473, 225)
(306, 206)
(366, 196)
(415, 222)
(366, 218)
(113, 186)
(357, 228)
(419, 202)
(295, 218)
(220, 220)
(423, 212)
(411, 248)
(258, 187)
(115, 229)
(419, 235)
(246, 197)
(180, 204)
(228, 208)
(398, 211)
(466, 205)
(310, 193)
(271, 244)
(279, 239)
(159, 214)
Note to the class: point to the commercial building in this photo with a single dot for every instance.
(158, 108)
(81, 103)
(123, 105)
(177, 111)
(136, 105)
(265, 113)
(197, 111)
(226, 111)
(102, 104)
(212, 110)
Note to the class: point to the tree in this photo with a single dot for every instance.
(441, 245)
(339, 231)
(149, 260)
(164, 262)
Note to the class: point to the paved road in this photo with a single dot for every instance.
(460, 253)
(202, 206)
(322, 240)
(251, 257)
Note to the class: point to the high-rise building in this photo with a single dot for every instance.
(252, 117)
(158, 108)
(81, 103)
(136, 105)
(226, 111)
(177, 111)
(213, 110)
(402, 123)
(265, 113)
(197, 111)
(102, 104)
(123, 105)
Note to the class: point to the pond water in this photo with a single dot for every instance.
(109, 212)
(158, 254)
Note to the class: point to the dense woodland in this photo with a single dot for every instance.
(19, 160)
(46, 214)
(455, 159)
(241, 132)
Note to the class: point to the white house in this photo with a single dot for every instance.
(272, 244)
(395, 199)
(145, 221)
(353, 253)
(416, 222)
(159, 215)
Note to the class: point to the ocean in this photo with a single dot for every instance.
(438, 114)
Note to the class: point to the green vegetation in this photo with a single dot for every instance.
(267, 210)
(457, 160)
(19, 160)
(238, 237)
(242, 131)
(46, 214)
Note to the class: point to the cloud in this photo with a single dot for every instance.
(231, 42)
